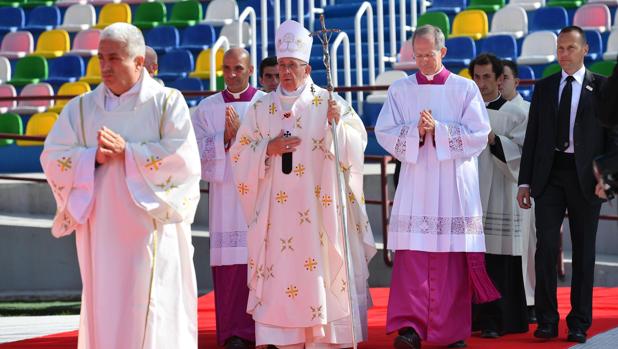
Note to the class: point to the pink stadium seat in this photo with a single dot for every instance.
(17, 45)
(7, 90)
(593, 16)
(86, 43)
(406, 57)
(35, 106)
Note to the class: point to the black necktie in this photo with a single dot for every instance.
(564, 115)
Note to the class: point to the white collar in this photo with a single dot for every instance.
(147, 87)
(578, 76)
(132, 91)
(495, 99)
(295, 93)
(237, 94)
(430, 77)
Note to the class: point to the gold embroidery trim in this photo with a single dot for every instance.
(152, 271)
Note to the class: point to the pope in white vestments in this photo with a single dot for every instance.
(123, 165)
(284, 168)
(216, 122)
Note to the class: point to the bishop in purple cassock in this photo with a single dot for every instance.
(436, 124)
(216, 121)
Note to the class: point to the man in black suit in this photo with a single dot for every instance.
(562, 138)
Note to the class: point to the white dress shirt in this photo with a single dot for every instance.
(576, 86)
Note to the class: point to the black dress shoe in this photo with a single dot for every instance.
(237, 343)
(490, 334)
(546, 331)
(407, 339)
(577, 335)
(270, 346)
(458, 344)
(531, 315)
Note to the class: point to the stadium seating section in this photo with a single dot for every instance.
(49, 47)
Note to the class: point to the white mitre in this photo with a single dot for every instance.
(293, 41)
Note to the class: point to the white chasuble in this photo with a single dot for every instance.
(297, 278)
(437, 208)
(131, 216)
(501, 214)
(226, 222)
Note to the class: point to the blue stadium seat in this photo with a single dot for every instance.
(163, 38)
(503, 46)
(12, 18)
(341, 9)
(44, 18)
(198, 38)
(63, 69)
(461, 51)
(175, 64)
(549, 18)
(595, 46)
(526, 73)
(450, 7)
(188, 84)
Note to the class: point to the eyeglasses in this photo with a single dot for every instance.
(427, 56)
(291, 66)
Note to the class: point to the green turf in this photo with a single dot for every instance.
(39, 308)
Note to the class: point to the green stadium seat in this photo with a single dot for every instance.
(185, 13)
(10, 123)
(36, 3)
(551, 69)
(29, 70)
(604, 68)
(437, 19)
(26, 3)
(149, 15)
(567, 4)
(489, 6)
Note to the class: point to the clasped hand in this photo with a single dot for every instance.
(110, 145)
(426, 123)
(232, 123)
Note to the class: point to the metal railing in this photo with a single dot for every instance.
(392, 26)
(249, 12)
(264, 27)
(312, 11)
(342, 37)
(380, 14)
(221, 41)
(365, 8)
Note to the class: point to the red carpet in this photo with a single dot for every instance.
(605, 318)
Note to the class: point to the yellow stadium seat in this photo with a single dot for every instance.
(472, 23)
(93, 72)
(202, 67)
(69, 89)
(464, 72)
(39, 125)
(112, 13)
(53, 44)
